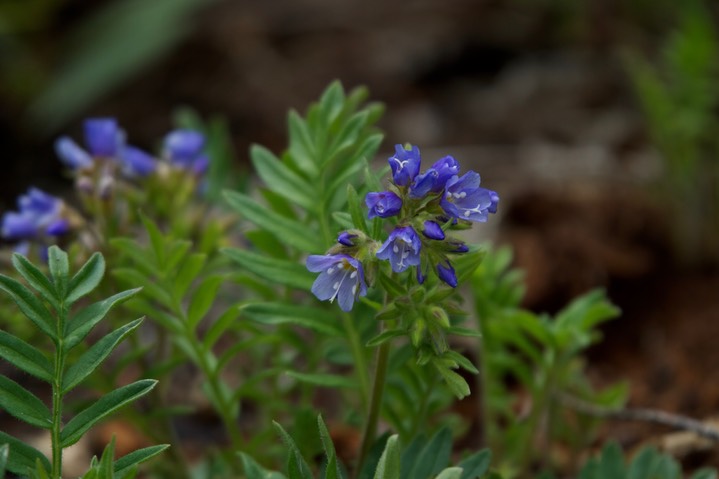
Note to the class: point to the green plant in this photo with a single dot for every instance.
(51, 312)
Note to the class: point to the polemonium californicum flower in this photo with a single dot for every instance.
(434, 179)
(103, 139)
(39, 214)
(346, 238)
(401, 249)
(341, 277)
(432, 230)
(185, 148)
(404, 164)
(465, 199)
(495, 201)
(383, 204)
(446, 273)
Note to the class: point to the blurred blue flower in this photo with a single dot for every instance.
(401, 249)
(39, 214)
(465, 199)
(404, 164)
(346, 238)
(341, 277)
(184, 148)
(383, 204)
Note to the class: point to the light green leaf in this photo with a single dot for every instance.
(450, 473)
(388, 466)
(255, 471)
(308, 317)
(324, 380)
(202, 299)
(30, 306)
(80, 325)
(455, 382)
(125, 463)
(189, 271)
(297, 466)
(86, 279)
(149, 285)
(25, 357)
(282, 180)
(276, 271)
(331, 102)
(97, 353)
(385, 336)
(354, 205)
(22, 458)
(23, 404)
(472, 333)
(35, 278)
(59, 269)
(332, 471)
(302, 148)
(106, 405)
(288, 231)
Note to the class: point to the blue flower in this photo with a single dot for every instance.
(465, 199)
(104, 139)
(401, 249)
(346, 238)
(432, 230)
(341, 277)
(404, 165)
(184, 148)
(446, 273)
(434, 179)
(383, 204)
(39, 213)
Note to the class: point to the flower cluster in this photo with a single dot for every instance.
(426, 205)
(106, 153)
(39, 218)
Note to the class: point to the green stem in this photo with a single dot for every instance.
(358, 355)
(376, 405)
(57, 396)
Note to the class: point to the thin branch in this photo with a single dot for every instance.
(641, 414)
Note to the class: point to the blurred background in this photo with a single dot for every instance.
(595, 120)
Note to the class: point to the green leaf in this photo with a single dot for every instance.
(455, 382)
(612, 461)
(59, 269)
(97, 353)
(332, 471)
(472, 333)
(125, 463)
(450, 473)
(35, 278)
(23, 404)
(434, 456)
(313, 318)
(296, 465)
(202, 300)
(388, 466)
(288, 231)
(385, 336)
(255, 471)
(302, 148)
(705, 473)
(355, 208)
(30, 306)
(86, 279)
(277, 271)
(80, 325)
(106, 405)
(324, 380)
(189, 271)
(22, 457)
(462, 361)
(24, 356)
(149, 285)
(4, 453)
(219, 326)
(644, 464)
(476, 465)
(282, 180)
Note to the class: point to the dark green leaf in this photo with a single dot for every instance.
(22, 457)
(4, 453)
(644, 464)
(435, 455)
(35, 278)
(23, 404)
(324, 380)
(476, 465)
(288, 231)
(202, 299)
(30, 306)
(106, 405)
(306, 316)
(358, 216)
(332, 470)
(188, 273)
(385, 336)
(255, 471)
(276, 271)
(24, 356)
(297, 467)
(612, 461)
(282, 180)
(86, 279)
(80, 325)
(150, 287)
(59, 269)
(97, 353)
(219, 326)
(126, 462)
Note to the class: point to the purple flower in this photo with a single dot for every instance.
(383, 204)
(184, 148)
(432, 230)
(341, 277)
(465, 199)
(401, 249)
(446, 273)
(136, 162)
(103, 137)
(434, 179)
(404, 165)
(39, 213)
(345, 238)
(71, 154)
